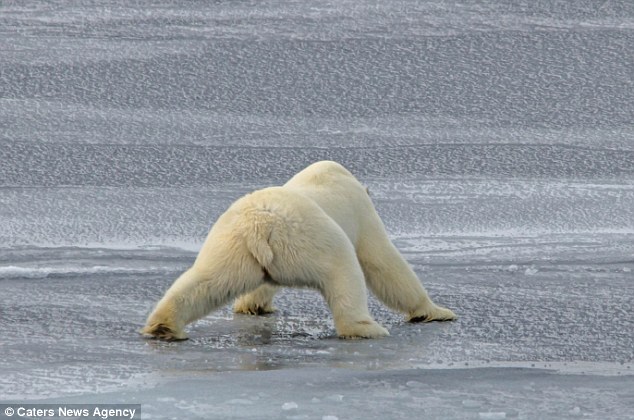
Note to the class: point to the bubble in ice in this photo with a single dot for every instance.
(414, 384)
(492, 415)
(471, 403)
(575, 411)
(289, 406)
(240, 401)
(531, 271)
(512, 268)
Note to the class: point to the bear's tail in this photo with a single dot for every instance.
(257, 239)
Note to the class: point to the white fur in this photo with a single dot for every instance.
(319, 230)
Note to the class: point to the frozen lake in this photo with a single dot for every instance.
(497, 141)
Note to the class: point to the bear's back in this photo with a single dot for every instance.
(338, 193)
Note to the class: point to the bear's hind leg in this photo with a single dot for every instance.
(258, 302)
(346, 295)
(322, 257)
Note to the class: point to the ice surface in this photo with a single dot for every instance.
(497, 141)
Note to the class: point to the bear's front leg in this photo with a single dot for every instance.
(198, 291)
(393, 281)
(168, 319)
(165, 322)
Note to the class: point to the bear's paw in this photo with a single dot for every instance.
(362, 329)
(163, 332)
(435, 313)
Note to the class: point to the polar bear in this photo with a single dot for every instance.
(319, 230)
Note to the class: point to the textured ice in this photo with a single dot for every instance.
(496, 139)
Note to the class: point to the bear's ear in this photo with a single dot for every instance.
(367, 190)
(161, 332)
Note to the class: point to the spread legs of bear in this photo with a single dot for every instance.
(320, 230)
(387, 275)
